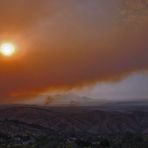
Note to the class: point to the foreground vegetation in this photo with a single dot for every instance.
(56, 141)
(15, 134)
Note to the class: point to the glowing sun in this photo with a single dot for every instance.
(7, 49)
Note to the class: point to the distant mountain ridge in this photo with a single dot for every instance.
(70, 120)
(72, 100)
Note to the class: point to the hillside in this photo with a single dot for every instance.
(78, 119)
(77, 127)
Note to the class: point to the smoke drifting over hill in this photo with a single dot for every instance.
(71, 43)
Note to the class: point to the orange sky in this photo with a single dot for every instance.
(71, 43)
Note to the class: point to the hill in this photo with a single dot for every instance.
(77, 127)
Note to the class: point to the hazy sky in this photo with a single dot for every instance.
(67, 44)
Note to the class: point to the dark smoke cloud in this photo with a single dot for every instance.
(63, 45)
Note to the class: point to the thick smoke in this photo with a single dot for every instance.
(72, 43)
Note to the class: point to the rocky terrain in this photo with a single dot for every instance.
(34, 125)
(78, 119)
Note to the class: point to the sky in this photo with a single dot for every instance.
(66, 45)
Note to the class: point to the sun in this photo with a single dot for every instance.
(7, 49)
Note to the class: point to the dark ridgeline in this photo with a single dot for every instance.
(34, 126)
